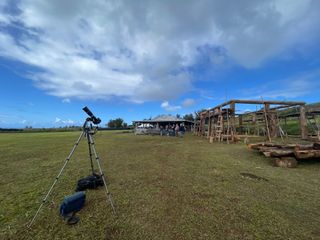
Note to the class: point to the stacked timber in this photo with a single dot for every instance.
(306, 152)
(286, 155)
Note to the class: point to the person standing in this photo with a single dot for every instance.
(182, 130)
(177, 129)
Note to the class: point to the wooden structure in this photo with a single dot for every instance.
(223, 123)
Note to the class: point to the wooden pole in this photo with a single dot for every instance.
(233, 120)
(209, 125)
(254, 123)
(303, 123)
(266, 109)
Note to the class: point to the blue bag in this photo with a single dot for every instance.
(72, 204)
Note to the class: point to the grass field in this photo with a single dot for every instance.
(164, 188)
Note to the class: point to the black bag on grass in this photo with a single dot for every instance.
(90, 182)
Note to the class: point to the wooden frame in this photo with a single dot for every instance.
(222, 119)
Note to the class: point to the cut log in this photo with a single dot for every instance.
(271, 144)
(278, 145)
(282, 153)
(254, 145)
(266, 149)
(291, 146)
(304, 147)
(305, 154)
(288, 162)
(316, 146)
(267, 154)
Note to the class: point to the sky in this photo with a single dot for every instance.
(139, 59)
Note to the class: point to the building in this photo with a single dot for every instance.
(153, 126)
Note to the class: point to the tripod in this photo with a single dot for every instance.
(87, 132)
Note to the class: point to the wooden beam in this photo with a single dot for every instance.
(287, 103)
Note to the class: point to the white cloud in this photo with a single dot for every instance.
(66, 100)
(69, 121)
(188, 102)
(64, 122)
(170, 108)
(141, 50)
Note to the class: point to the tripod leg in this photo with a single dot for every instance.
(56, 179)
(108, 194)
(90, 152)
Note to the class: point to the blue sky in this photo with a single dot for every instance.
(139, 59)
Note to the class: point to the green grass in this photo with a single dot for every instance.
(293, 126)
(164, 188)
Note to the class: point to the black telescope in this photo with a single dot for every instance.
(92, 118)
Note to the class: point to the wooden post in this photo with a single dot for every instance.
(303, 123)
(254, 123)
(232, 112)
(202, 125)
(233, 120)
(209, 125)
(240, 121)
(266, 111)
(273, 125)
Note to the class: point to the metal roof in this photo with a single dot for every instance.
(164, 118)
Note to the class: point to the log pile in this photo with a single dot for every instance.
(286, 155)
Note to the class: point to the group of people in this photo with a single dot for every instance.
(177, 130)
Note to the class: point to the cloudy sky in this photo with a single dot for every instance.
(136, 59)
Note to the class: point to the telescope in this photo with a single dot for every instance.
(75, 202)
(92, 117)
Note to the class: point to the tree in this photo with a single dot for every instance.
(116, 123)
(178, 116)
(188, 117)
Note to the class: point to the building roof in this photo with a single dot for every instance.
(164, 118)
